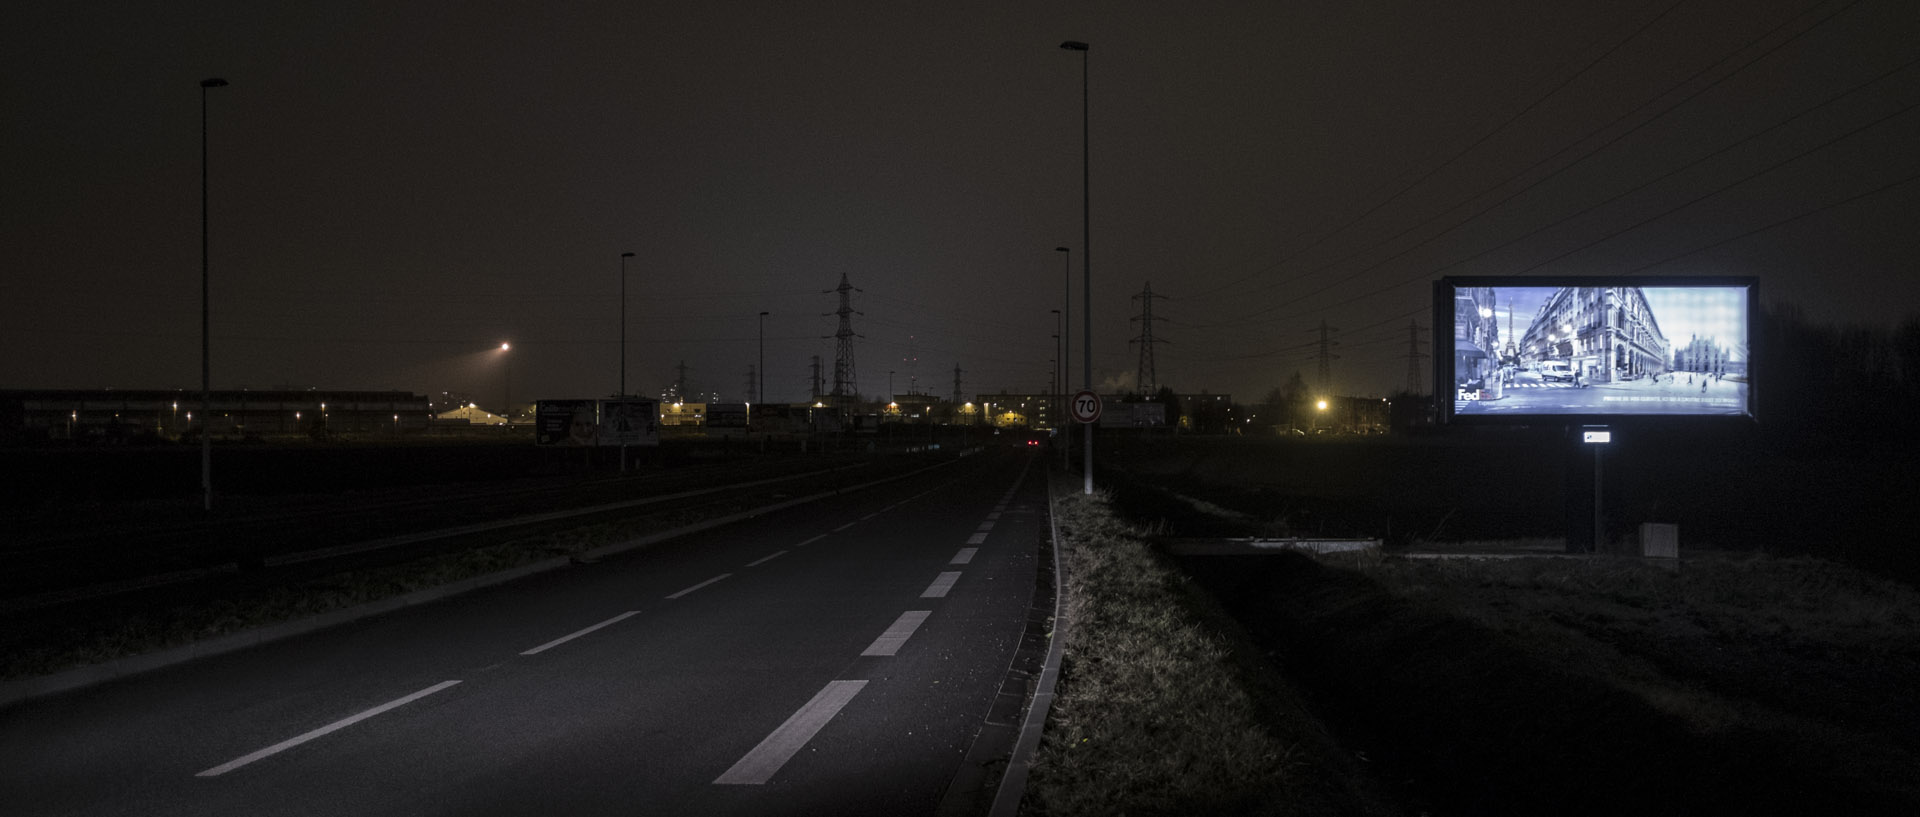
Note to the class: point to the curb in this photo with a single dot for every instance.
(1013, 784)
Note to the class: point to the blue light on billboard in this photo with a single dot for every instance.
(1524, 349)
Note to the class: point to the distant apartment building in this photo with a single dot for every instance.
(1476, 340)
(1606, 334)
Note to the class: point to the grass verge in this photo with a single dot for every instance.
(1155, 711)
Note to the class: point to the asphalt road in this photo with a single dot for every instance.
(833, 658)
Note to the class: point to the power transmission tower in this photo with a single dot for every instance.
(845, 385)
(956, 384)
(816, 378)
(1146, 379)
(680, 381)
(1414, 356)
(1327, 357)
(753, 393)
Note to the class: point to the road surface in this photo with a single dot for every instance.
(837, 657)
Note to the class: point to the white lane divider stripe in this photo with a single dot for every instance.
(767, 559)
(994, 515)
(322, 731)
(890, 642)
(848, 525)
(573, 635)
(811, 541)
(940, 586)
(965, 556)
(986, 526)
(700, 585)
(977, 539)
(760, 765)
(872, 515)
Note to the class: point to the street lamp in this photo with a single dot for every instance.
(623, 324)
(1059, 385)
(506, 384)
(761, 392)
(1086, 250)
(206, 367)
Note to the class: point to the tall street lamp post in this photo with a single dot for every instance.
(761, 390)
(1086, 250)
(1066, 355)
(506, 384)
(206, 357)
(623, 330)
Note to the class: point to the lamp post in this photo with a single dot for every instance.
(506, 384)
(206, 357)
(761, 390)
(1086, 250)
(623, 327)
(1066, 355)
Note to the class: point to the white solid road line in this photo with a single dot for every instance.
(848, 525)
(977, 539)
(573, 635)
(890, 642)
(811, 541)
(965, 556)
(700, 585)
(760, 765)
(324, 730)
(940, 586)
(760, 562)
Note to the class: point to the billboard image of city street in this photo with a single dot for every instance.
(1524, 348)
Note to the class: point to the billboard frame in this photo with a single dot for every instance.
(1444, 335)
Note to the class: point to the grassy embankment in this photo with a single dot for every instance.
(1730, 685)
(1161, 712)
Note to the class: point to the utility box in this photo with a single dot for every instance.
(1660, 540)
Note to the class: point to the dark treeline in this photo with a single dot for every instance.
(1822, 385)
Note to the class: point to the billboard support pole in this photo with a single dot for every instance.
(1597, 438)
(1598, 525)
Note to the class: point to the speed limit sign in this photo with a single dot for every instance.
(1085, 407)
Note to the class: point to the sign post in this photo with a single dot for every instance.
(1085, 410)
(1598, 437)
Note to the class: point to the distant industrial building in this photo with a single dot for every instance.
(123, 414)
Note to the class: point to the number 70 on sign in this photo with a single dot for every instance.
(1085, 407)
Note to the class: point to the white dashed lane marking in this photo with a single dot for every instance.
(940, 586)
(760, 765)
(890, 642)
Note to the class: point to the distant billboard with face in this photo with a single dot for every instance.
(1582, 350)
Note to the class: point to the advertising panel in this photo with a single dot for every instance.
(629, 422)
(727, 415)
(1593, 349)
(565, 422)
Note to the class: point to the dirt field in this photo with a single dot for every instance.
(1741, 681)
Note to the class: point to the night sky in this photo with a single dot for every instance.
(398, 188)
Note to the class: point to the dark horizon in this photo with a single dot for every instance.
(396, 192)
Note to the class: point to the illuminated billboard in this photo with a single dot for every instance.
(1599, 349)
